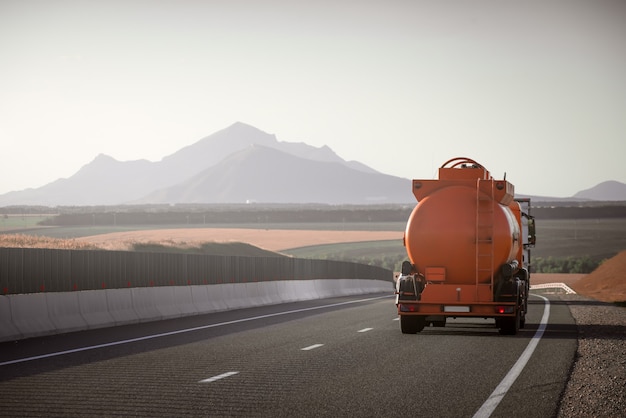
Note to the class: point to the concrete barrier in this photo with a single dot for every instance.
(287, 291)
(258, 293)
(30, 314)
(269, 293)
(145, 303)
(37, 314)
(8, 331)
(165, 303)
(234, 295)
(94, 309)
(200, 298)
(64, 311)
(372, 286)
(184, 300)
(120, 304)
(328, 288)
(306, 290)
(217, 296)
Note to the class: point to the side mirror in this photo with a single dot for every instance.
(531, 231)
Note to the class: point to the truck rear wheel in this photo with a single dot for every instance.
(510, 326)
(412, 324)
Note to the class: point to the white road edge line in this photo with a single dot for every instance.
(365, 329)
(494, 399)
(181, 331)
(218, 377)
(312, 347)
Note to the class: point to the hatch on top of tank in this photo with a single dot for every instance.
(462, 168)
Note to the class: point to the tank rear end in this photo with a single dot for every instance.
(464, 246)
(441, 236)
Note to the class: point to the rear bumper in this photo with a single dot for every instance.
(457, 309)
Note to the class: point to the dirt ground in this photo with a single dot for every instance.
(606, 283)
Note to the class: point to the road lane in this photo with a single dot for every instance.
(264, 371)
(539, 388)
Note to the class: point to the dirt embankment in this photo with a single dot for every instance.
(606, 283)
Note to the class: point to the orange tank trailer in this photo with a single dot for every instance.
(468, 242)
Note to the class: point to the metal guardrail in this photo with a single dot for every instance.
(568, 290)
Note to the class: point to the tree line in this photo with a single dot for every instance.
(569, 265)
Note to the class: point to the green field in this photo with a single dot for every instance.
(597, 238)
(16, 222)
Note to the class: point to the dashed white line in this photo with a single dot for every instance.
(365, 329)
(218, 377)
(311, 347)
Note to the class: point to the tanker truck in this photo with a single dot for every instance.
(468, 241)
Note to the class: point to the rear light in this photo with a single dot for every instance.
(407, 308)
(505, 309)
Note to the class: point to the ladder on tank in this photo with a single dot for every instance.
(484, 231)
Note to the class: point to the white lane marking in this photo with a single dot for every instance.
(182, 331)
(396, 319)
(494, 399)
(365, 329)
(311, 347)
(218, 377)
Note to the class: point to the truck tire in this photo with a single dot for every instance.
(412, 324)
(510, 326)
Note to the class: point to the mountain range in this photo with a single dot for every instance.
(236, 165)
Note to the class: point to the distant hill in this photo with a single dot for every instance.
(608, 190)
(236, 165)
(222, 168)
(267, 175)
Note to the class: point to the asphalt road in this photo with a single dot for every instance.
(332, 357)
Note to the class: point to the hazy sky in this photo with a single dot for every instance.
(536, 89)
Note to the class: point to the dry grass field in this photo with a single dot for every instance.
(34, 241)
(268, 239)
